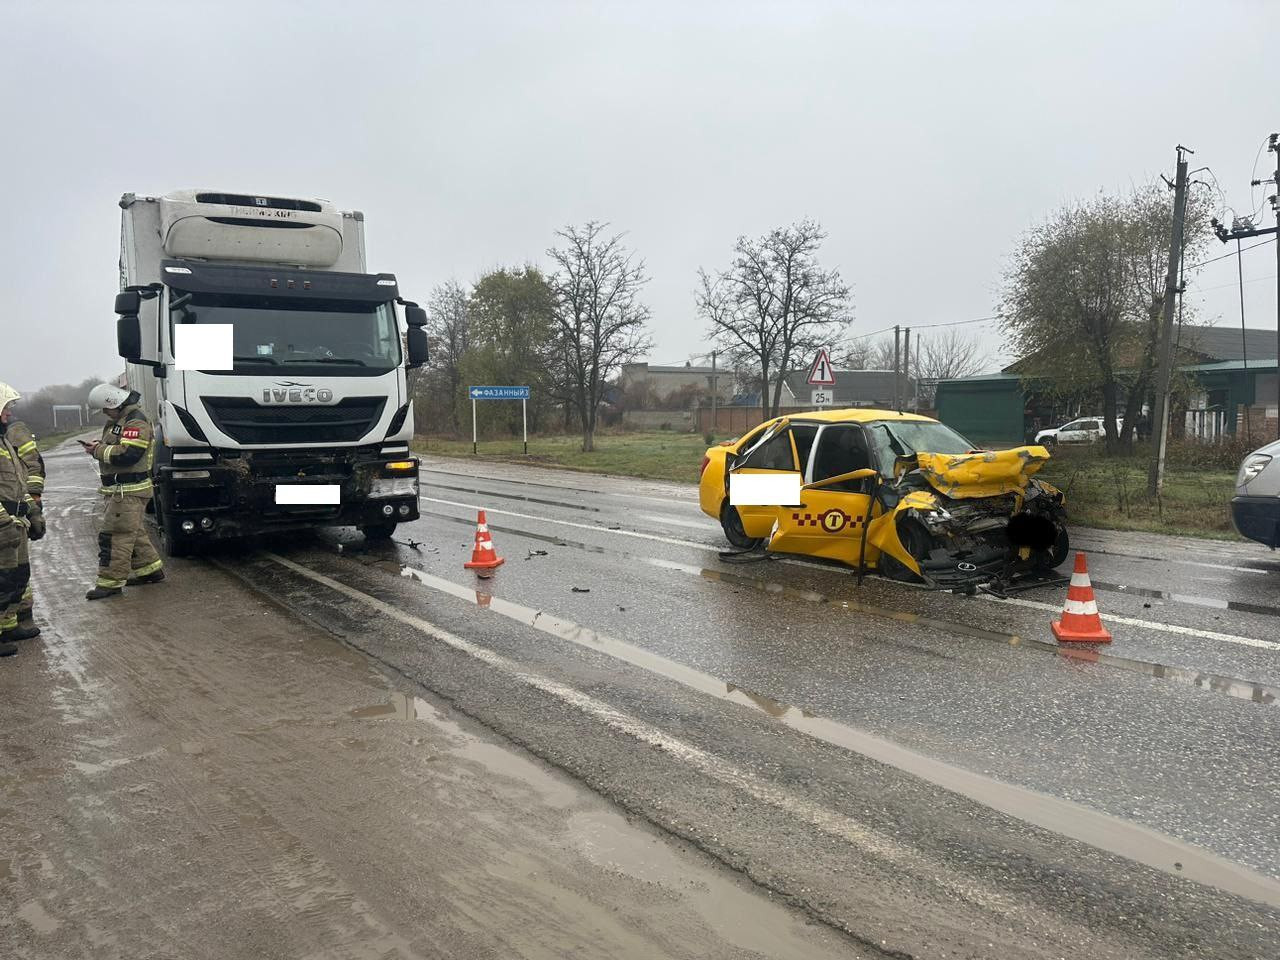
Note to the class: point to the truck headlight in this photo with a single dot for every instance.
(1251, 467)
(394, 487)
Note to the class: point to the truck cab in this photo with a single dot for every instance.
(303, 418)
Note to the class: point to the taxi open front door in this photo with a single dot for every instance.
(828, 522)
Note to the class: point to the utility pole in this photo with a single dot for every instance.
(715, 422)
(1275, 206)
(906, 369)
(897, 385)
(1243, 228)
(1160, 422)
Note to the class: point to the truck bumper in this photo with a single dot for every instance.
(236, 496)
(1257, 518)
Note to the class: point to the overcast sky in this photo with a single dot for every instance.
(924, 136)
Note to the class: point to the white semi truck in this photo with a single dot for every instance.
(309, 423)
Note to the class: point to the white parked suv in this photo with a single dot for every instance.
(1255, 509)
(1083, 430)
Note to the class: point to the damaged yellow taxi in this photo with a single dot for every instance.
(895, 492)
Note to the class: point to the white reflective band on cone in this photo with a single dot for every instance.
(1081, 606)
(1080, 580)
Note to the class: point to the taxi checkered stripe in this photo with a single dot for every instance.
(815, 519)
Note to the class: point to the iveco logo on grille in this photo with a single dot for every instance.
(290, 392)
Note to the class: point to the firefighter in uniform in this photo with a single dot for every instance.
(125, 453)
(16, 506)
(24, 442)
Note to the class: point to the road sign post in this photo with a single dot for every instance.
(500, 393)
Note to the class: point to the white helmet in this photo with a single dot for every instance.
(8, 395)
(106, 396)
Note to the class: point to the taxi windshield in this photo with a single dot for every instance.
(906, 437)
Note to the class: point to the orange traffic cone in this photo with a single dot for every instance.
(1080, 622)
(483, 556)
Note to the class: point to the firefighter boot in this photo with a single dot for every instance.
(20, 632)
(7, 649)
(98, 593)
(155, 577)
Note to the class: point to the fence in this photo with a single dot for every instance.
(1206, 425)
(1257, 423)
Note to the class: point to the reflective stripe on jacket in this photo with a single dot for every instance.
(126, 452)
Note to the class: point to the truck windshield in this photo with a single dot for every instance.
(329, 337)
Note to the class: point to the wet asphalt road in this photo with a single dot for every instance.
(920, 771)
(1136, 738)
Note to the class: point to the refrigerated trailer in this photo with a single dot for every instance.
(305, 419)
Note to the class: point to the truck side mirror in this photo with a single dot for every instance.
(128, 302)
(416, 318)
(137, 328)
(129, 336)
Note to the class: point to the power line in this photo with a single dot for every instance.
(1223, 286)
(952, 323)
(863, 336)
(923, 326)
(1252, 246)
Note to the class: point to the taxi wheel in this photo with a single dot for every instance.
(1055, 555)
(918, 543)
(731, 523)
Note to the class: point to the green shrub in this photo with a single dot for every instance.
(708, 438)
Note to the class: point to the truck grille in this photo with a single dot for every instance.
(245, 421)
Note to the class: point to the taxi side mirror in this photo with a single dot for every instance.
(853, 476)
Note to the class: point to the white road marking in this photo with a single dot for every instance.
(676, 521)
(1146, 624)
(1017, 601)
(1065, 817)
(491, 478)
(865, 838)
(571, 523)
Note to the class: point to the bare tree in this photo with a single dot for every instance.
(598, 313)
(867, 354)
(774, 305)
(946, 356)
(450, 327)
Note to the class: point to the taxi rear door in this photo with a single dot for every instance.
(774, 452)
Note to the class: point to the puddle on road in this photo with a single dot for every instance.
(496, 758)
(34, 913)
(1065, 817)
(738, 915)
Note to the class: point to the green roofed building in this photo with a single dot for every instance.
(1231, 374)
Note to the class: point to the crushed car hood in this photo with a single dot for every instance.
(985, 474)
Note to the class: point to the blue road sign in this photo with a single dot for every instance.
(498, 393)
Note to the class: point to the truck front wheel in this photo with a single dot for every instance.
(173, 542)
(378, 531)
